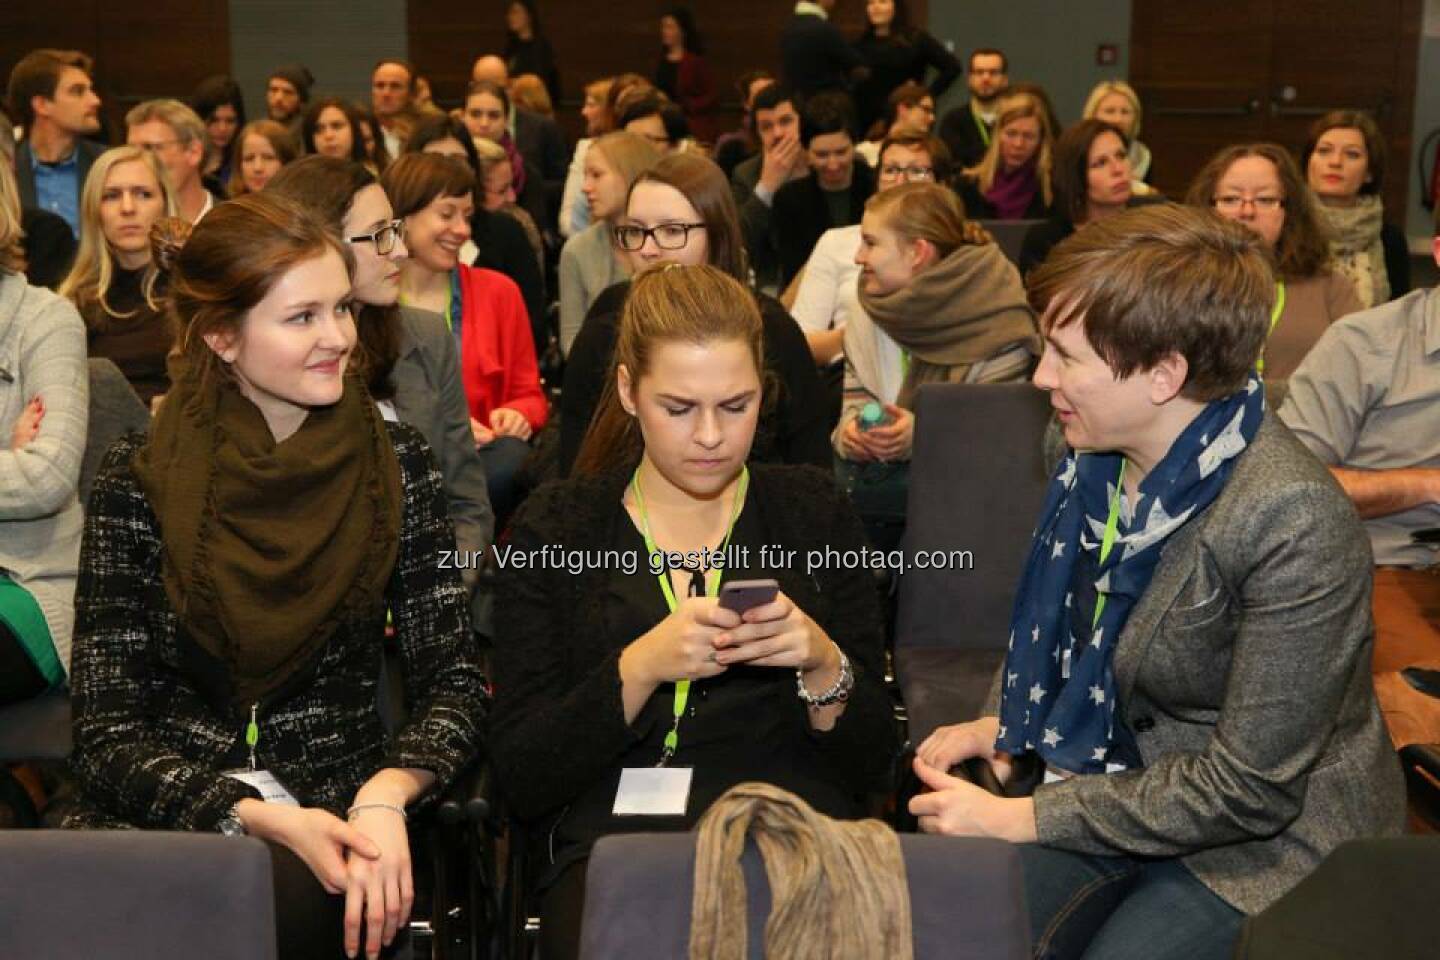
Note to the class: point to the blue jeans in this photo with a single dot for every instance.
(502, 458)
(1116, 908)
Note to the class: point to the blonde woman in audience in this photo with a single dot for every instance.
(261, 149)
(497, 186)
(939, 303)
(483, 309)
(1013, 181)
(113, 281)
(44, 411)
(599, 120)
(1344, 162)
(1259, 185)
(529, 93)
(266, 660)
(1117, 103)
(592, 666)
(589, 262)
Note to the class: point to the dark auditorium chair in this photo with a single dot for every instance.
(1369, 900)
(966, 898)
(115, 410)
(130, 894)
(977, 481)
(1009, 234)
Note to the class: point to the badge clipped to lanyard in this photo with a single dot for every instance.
(663, 790)
(271, 789)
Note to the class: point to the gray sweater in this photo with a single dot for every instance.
(588, 266)
(42, 353)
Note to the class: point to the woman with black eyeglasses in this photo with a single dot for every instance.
(1259, 185)
(409, 359)
(682, 211)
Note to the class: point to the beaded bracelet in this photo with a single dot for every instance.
(350, 814)
(838, 692)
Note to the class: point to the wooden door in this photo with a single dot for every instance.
(1212, 74)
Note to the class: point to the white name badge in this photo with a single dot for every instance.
(263, 780)
(653, 792)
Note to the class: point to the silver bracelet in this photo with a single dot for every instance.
(350, 814)
(838, 692)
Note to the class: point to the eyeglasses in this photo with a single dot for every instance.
(384, 238)
(158, 145)
(667, 236)
(1231, 203)
(910, 174)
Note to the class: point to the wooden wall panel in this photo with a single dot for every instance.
(156, 49)
(595, 40)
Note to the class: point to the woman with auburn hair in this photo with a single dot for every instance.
(1012, 182)
(529, 93)
(407, 357)
(1185, 724)
(589, 262)
(113, 281)
(261, 149)
(938, 303)
(1116, 103)
(1344, 161)
(682, 211)
(599, 120)
(1092, 182)
(483, 309)
(43, 419)
(331, 128)
(594, 667)
(1258, 184)
(267, 658)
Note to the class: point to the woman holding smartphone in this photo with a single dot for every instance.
(608, 669)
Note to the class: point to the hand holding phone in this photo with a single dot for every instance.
(742, 595)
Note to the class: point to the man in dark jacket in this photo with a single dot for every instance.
(967, 129)
(813, 54)
(833, 196)
(52, 98)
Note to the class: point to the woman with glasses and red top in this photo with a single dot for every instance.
(682, 211)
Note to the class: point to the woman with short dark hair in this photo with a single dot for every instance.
(897, 51)
(1185, 723)
(219, 102)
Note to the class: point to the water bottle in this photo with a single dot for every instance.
(872, 415)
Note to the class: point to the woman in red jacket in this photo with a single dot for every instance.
(683, 74)
(434, 195)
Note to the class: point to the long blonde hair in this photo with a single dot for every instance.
(1102, 90)
(666, 304)
(89, 280)
(1017, 107)
(12, 237)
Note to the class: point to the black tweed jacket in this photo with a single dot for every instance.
(152, 736)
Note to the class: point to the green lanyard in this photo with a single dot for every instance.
(980, 124)
(1112, 527)
(1275, 312)
(712, 587)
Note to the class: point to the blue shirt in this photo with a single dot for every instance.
(57, 187)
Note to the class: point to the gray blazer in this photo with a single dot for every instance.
(1244, 671)
(86, 151)
(430, 396)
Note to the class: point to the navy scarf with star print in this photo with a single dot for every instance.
(1058, 694)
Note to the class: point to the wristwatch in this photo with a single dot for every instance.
(231, 825)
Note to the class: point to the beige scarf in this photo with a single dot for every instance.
(962, 311)
(1356, 248)
(837, 888)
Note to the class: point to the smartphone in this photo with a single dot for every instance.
(742, 595)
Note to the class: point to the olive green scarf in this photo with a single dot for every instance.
(269, 547)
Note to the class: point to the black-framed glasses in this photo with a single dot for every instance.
(911, 174)
(667, 236)
(384, 238)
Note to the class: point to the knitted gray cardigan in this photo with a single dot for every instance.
(42, 353)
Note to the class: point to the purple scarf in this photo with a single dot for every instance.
(1012, 192)
(517, 164)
